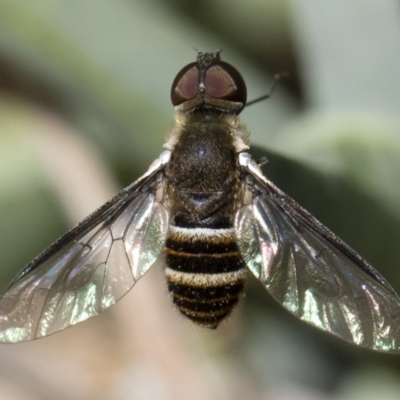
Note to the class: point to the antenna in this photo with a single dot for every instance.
(275, 82)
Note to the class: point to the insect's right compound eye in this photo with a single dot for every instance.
(225, 82)
(185, 85)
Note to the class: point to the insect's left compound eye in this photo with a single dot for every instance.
(185, 85)
(223, 81)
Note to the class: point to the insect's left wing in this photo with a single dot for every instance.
(312, 272)
(92, 266)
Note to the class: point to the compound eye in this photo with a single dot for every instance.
(225, 82)
(185, 85)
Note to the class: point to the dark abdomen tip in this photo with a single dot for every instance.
(206, 306)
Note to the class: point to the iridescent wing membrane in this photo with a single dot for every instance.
(310, 271)
(92, 266)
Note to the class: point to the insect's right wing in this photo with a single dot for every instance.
(92, 266)
(312, 272)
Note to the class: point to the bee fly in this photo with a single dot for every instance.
(207, 209)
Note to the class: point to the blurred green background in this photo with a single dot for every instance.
(84, 109)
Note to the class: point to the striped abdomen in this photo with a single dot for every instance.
(205, 272)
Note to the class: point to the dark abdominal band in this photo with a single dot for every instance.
(205, 271)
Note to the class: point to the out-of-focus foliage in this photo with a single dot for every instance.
(84, 98)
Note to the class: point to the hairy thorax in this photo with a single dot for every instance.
(203, 169)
